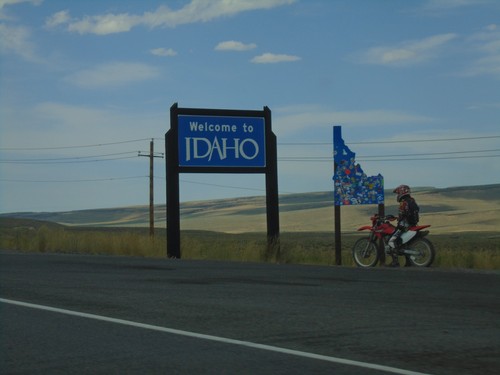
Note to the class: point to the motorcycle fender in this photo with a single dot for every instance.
(419, 227)
(366, 227)
(423, 233)
(407, 236)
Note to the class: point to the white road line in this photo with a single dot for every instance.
(248, 344)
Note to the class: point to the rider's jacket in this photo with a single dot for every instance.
(408, 212)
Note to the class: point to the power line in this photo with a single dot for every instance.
(426, 140)
(305, 143)
(77, 180)
(384, 142)
(222, 186)
(438, 158)
(372, 159)
(406, 156)
(375, 158)
(65, 158)
(430, 153)
(279, 143)
(64, 161)
(66, 147)
(105, 157)
(226, 186)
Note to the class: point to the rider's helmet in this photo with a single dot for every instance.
(401, 191)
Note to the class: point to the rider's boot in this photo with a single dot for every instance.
(395, 261)
(393, 252)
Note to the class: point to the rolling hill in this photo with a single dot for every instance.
(467, 208)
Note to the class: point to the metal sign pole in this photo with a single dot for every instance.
(338, 241)
(172, 174)
(272, 200)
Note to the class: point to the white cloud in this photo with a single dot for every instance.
(163, 52)
(59, 18)
(106, 24)
(270, 58)
(3, 3)
(487, 44)
(407, 53)
(298, 118)
(163, 16)
(232, 45)
(434, 5)
(16, 39)
(113, 75)
(489, 66)
(58, 124)
(12, 2)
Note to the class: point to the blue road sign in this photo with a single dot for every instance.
(220, 141)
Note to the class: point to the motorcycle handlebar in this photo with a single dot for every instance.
(384, 218)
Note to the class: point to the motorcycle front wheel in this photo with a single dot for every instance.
(423, 252)
(364, 253)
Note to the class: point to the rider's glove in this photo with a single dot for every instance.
(403, 224)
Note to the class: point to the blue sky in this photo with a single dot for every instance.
(85, 85)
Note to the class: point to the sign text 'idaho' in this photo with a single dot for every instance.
(221, 141)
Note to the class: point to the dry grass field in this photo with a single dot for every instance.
(447, 210)
(450, 210)
(465, 229)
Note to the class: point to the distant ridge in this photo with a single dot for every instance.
(447, 209)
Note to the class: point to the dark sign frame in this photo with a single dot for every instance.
(173, 169)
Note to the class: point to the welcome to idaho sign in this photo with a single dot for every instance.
(220, 141)
(217, 141)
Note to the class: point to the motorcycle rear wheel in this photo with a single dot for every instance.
(426, 252)
(364, 253)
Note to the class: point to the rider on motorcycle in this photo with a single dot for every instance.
(408, 216)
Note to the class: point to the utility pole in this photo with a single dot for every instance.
(151, 156)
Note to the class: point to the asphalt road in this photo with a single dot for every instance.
(116, 315)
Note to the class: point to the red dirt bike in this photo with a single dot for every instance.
(417, 249)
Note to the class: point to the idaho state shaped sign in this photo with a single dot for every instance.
(352, 185)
